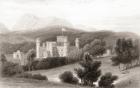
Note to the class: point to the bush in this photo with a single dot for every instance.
(107, 80)
(39, 77)
(30, 76)
(68, 77)
(33, 64)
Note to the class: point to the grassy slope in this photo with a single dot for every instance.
(122, 82)
(53, 74)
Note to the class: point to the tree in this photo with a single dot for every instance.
(75, 55)
(96, 47)
(89, 72)
(126, 53)
(107, 80)
(30, 58)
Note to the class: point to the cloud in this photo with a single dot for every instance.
(101, 14)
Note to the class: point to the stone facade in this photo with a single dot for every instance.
(19, 57)
(59, 48)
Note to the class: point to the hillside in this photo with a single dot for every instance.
(130, 79)
(26, 40)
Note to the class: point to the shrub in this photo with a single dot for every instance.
(68, 77)
(39, 77)
(107, 80)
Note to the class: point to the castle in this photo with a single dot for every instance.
(59, 48)
(19, 57)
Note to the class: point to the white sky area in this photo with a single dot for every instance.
(116, 15)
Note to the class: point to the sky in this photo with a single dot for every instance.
(116, 15)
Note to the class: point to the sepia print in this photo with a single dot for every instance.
(69, 44)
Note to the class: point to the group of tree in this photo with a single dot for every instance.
(8, 68)
(96, 47)
(8, 48)
(88, 74)
(127, 53)
(43, 63)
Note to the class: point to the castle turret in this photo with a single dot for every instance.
(37, 48)
(66, 46)
(77, 43)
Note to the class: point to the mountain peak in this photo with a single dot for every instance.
(32, 22)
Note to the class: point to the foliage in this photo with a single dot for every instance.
(3, 58)
(89, 72)
(107, 80)
(51, 62)
(47, 35)
(9, 48)
(11, 69)
(68, 77)
(47, 63)
(75, 55)
(30, 58)
(32, 76)
(127, 51)
(96, 47)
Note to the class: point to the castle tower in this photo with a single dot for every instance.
(77, 43)
(37, 48)
(65, 50)
(62, 45)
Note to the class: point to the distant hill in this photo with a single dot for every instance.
(32, 22)
(26, 40)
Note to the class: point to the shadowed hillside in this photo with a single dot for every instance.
(26, 40)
